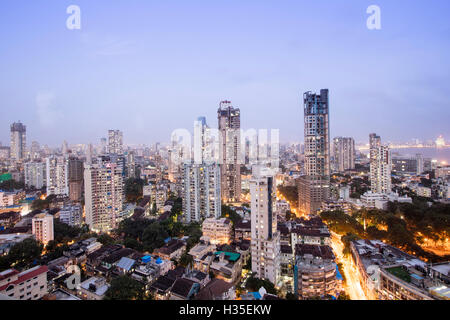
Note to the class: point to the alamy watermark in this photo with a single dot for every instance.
(73, 22)
(374, 20)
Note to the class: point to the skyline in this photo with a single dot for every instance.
(130, 58)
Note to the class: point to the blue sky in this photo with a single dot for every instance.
(149, 67)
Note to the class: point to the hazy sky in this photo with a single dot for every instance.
(149, 67)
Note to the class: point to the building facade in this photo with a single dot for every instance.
(201, 191)
(18, 141)
(344, 154)
(265, 239)
(314, 186)
(229, 119)
(104, 195)
(380, 165)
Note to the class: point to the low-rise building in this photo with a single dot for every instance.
(217, 231)
(27, 285)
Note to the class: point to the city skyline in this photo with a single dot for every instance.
(178, 64)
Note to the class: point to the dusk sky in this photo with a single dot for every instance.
(149, 67)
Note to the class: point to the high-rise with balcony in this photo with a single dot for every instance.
(57, 171)
(18, 141)
(201, 191)
(314, 186)
(380, 166)
(115, 142)
(104, 195)
(265, 239)
(344, 154)
(229, 119)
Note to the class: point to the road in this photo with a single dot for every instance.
(353, 285)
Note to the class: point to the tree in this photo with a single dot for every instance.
(105, 239)
(125, 288)
(134, 189)
(254, 284)
(290, 296)
(154, 236)
(186, 259)
(25, 253)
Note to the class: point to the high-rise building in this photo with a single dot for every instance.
(35, 174)
(57, 170)
(104, 195)
(344, 154)
(230, 151)
(265, 241)
(76, 174)
(115, 142)
(42, 227)
(380, 166)
(204, 144)
(201, 191)
(18, 141)
(314, 186)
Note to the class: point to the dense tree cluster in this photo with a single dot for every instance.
(126, 288)
(290, 193)
(134, 189)
(403, 225)
(22, 255)
(254, 284)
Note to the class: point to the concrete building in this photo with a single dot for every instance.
(229, 119)
(104, 195)
(315, 272)
(57, 170)
(201, 191)
(217, 231)
(18, 141)
(30, 284)
(344, 154)
(265, 239)
(71, 215)
(314, 186)
(115, 142)
(35, 174)
(380, 166)
(76, 173)
(42, 227)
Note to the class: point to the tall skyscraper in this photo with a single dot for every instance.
(57, 170)
(344, 154)
(201, 191)
(76, 174)
(230, 151)
(18, 141)
(265, 241)
(380, 165)
(104, 195)
(314, 186)
(115, 142)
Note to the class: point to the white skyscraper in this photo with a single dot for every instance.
(104, 195)
(57, 170)
(115, 142)
(344, 154)
(265, 241)
(42, 227)
(18, 141)
(380, 166)
(201, 191)
(35, 174)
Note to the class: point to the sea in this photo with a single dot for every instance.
(442, 155)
